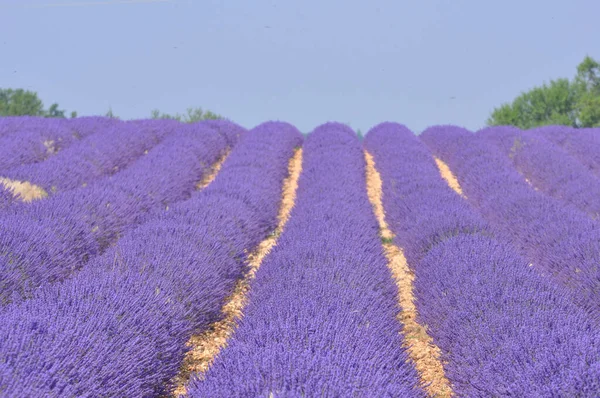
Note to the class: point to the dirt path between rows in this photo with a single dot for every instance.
(206, 346)
(420, 347)
(214, 170)
(28, 192)
(23, 190)
(449, 177)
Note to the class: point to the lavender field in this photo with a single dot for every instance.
(154, 258)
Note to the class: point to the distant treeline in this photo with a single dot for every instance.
(20, 102)
(574, 102)
(192, 115)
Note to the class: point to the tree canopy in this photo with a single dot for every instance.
(566, 102)
(192, 115)
(110, 114)
(21, 102)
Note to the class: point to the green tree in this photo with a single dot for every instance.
(53, 111)
(192, 115)
(589, 110)
(110, 114)
(588, 84)
(588, 75)
(360, 134)
(155, 114)
(20, 103)
(573, 103)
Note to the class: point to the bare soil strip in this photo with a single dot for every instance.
(28, 192)
(421, 349)
(24, 190)
(208, 178)
(449, 177)
(453, 182)
(206, 346)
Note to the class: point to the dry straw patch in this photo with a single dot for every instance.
(421, 349)
(24, 190)
(530, 184)
(50, 148)
(206, 346)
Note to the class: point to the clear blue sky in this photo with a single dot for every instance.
(305, 62)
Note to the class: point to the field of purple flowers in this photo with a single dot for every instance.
(153, 258)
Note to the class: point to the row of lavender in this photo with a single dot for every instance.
(6, 197)
(95, 156)
(582, 144)
(321, 318)
(503, 330)
(434, 225)
(47, 241)
(25, 140)
(562, 242)
(119, 327)
(548, 167)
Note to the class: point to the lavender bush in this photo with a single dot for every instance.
(62, 233)
(548, 167)
(321, 314)
(561, 242)
(6, 198)
(13, 124)
(502, 328)
(32, 140)
(94, 157)
(119, 327)
(583, 143)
